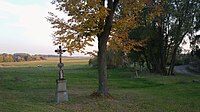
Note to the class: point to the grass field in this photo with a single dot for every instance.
(25, 87)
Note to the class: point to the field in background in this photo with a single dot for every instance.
(30, 87)
(49, 62)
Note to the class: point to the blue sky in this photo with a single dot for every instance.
(23, 27)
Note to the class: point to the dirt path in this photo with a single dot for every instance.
(183, 69)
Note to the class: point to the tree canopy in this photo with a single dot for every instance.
(165, 31)
(105, 20)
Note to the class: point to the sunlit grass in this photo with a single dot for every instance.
(26, 87)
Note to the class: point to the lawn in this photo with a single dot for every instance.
(25, 87)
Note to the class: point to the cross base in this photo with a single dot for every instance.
(61, 91)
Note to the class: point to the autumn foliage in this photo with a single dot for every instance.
(107, 20)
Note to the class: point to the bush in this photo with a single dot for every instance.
(93, 62)
(114, 60)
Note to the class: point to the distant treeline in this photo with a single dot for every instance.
(50, 56)
(17, 57)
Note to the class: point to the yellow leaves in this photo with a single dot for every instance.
(85, 22)
(88, 19)
(120, 32)
(130, 20)
(119, 40)
(89, 16)
(124, 24)
(125, 44)
(133, 7)
(87, 43)
(94, 53)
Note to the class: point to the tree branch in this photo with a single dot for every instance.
(115, 5)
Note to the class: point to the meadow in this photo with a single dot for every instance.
(31, 86)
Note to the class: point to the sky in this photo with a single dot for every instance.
(24, 29)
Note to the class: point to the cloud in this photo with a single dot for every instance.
(31, 18)
(29, 23)
(26, 29)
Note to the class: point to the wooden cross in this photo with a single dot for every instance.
(60, 65)
(60, 52)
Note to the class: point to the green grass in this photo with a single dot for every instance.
(24, 87)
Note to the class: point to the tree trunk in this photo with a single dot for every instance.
(102, 67)
(171, 68)
(147, 62)
(154, 60)
(162, 52)
(102, 47)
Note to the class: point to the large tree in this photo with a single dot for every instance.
(184, 22)
(152, 30)
(89, 19)
(166, 31)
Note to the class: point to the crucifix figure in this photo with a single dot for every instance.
(60, 64)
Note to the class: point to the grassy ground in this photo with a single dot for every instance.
(24, 87)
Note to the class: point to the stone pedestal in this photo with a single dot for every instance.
(61, 91)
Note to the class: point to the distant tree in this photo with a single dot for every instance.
(24, 57)
(115, 59)
(6, 58)
(1, 58)
(17, 57)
